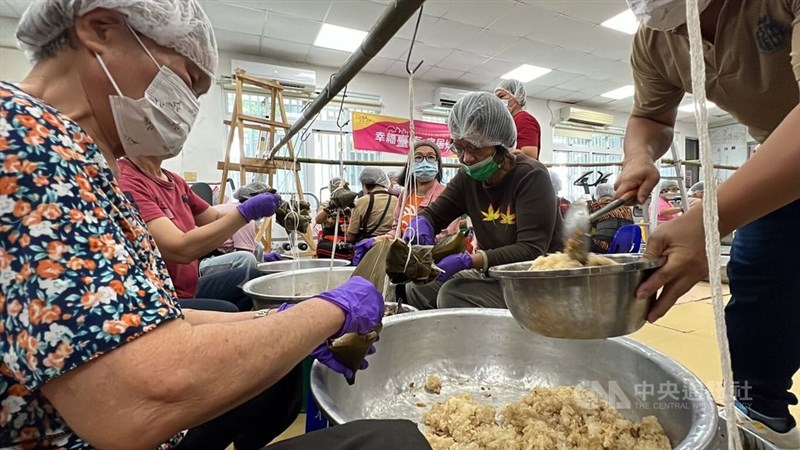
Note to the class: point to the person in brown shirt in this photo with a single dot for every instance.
(509, 198)
(372, 215)
(752, 55)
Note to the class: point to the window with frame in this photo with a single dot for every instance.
(580, 148)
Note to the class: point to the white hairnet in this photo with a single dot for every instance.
(374, 175)
(667, 184)
(483, 120)
(181, 25)
(697, 187)
(516, 89)
(335, 183)
(556, 180)
(603, 190)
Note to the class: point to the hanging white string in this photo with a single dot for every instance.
(292, 236)
(333, 250)
(711, 214)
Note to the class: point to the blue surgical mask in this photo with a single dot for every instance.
(425, 171)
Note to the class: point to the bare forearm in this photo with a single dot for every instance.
(291, 334)
(647, 137)
(199, 242)
(179, 375)
(198, 317)
(766, 182)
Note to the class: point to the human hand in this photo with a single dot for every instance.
(361, 249)
(325, 356)
(419, 231)
(452, 264)
(361, 302)
(682, 242)
(639, 173)
(260, 206)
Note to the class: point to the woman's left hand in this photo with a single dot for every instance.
(452, 264)
(682, 242)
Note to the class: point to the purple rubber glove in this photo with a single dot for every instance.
(260, 206)
(361, 302)
(453, 264)
(361, 248)
(272, 257)
(419, 231)
(324, 355)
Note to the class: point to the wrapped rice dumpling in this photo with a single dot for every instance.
(294, 215)
(391, 257)
(343, 198)
(450, 245)
(352, 348)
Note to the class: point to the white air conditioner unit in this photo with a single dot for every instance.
(578, 116)
(305, 80)
(447, 97)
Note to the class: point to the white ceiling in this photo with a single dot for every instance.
(465, 43)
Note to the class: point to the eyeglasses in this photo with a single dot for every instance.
(459, 150)
(429, 158)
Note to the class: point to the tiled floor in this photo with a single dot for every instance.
(686, 334)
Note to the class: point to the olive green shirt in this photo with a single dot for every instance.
(379, 219)
(752, 67)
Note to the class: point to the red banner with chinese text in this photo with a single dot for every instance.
(391, 134)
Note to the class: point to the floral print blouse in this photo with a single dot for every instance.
(79, 273)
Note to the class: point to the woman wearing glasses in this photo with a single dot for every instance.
(425, 186)
(509, 198)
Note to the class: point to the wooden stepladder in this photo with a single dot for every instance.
(267, 127)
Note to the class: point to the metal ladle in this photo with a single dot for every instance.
(578, 222)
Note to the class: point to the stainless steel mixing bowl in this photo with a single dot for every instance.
(294, 286)
(471, 349)
(300, 264)
(585, 303)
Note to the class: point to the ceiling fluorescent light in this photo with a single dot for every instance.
(526, 73)
(339, 38)
(689, 108)
(619, 94)
(625, 22)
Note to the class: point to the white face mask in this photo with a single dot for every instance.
(662, 15)
(158, 124)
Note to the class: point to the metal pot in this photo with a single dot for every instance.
(470, 349)
(300, 264)
(404, 308)
(750, 441)
(294, 286)
(584, 303)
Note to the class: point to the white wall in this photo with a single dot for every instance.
(13, 64)
(206, 144)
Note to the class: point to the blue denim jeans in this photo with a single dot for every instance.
(227, 285)
(221, 263)
(764, 315)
